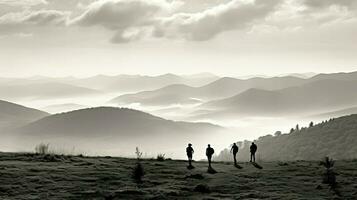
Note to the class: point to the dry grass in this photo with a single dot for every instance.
(28, 176)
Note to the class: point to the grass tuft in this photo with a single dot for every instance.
(42, 148)
(160, 157)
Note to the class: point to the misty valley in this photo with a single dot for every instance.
(178, 99)
(111, 115)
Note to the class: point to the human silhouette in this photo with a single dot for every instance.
(253, 149)
(209, 153)
(234, 150)
(189, 152)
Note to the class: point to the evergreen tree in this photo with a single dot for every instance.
(292, 130)
(278, 133)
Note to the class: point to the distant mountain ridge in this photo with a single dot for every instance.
(135, 83)
(313, 96)
(224, 87)
(34, 89)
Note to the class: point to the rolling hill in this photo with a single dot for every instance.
(14, 115)
(173, 94)
(57, 108)
(117, 128)
(224, 87)
(136, 83)
(307, 98)
(342, 76)
(336, 138)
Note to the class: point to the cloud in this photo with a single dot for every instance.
(133, 19)
(40, 17)
(20, 21)
(318, 4)
(235, 15)
(124, 16)
(22, 2)
(301, 15)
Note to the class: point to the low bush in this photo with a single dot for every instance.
(138, 171)
(42, 148)
(160, 157)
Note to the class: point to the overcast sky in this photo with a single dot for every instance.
(226, 37)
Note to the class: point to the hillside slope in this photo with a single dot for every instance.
(336, 138)
(221, 88)
(136, 83)
(227, 87)
(14, 115)
(311, 97)
(117, 129)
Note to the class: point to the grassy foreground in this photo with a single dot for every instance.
(30, 176)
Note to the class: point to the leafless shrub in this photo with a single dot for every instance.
(329, 176)
(138, 171)
(160, 157)
(42, 148)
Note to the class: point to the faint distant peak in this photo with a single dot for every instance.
(305, 75)
(202, 75)
(169, 75)
(225, 80)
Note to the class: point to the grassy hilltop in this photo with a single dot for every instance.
(336, 138)
(31, 176)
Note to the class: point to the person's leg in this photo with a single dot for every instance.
(251, 156)
(209, 161)
(235, 159)
(189, 161)
(254, 157)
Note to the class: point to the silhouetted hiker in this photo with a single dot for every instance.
(209, 153)
(253, 149)
(234, 150)
(189, 151)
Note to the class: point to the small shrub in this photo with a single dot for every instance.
(329, 176)
(327, 163)
(138, 171)
(160, 157)
(42, 148)
(138, 153)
